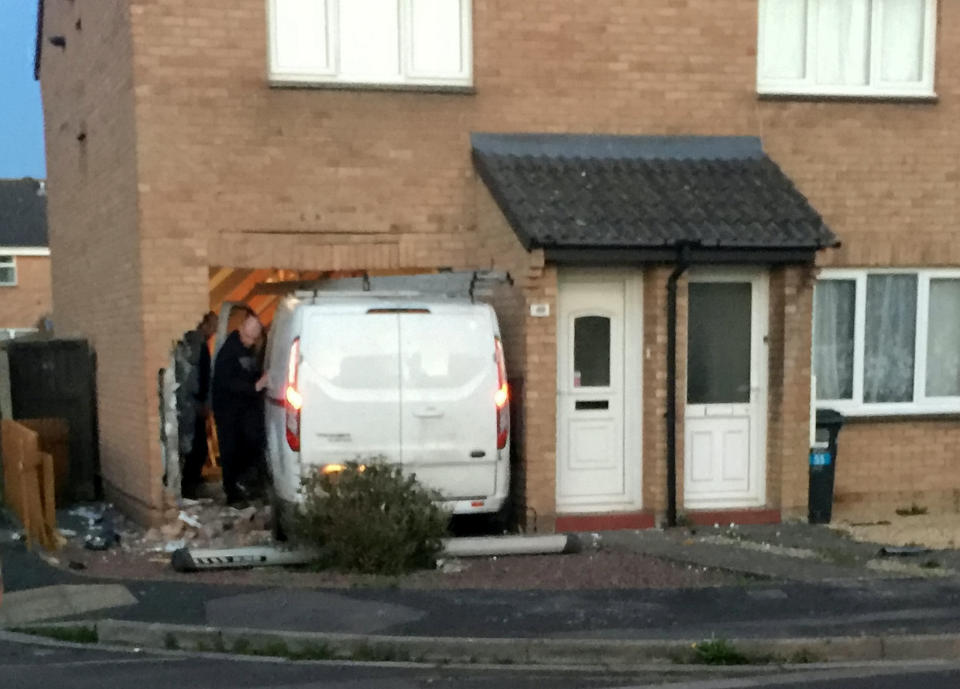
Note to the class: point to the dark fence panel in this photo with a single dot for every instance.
(57, 379)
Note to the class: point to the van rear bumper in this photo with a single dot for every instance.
(478, 506)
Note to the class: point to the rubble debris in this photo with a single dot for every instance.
(450, 566)
(189, 520)
(92, 515)
(173, 546)
(198, 523)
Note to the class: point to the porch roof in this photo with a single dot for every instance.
(588, 193)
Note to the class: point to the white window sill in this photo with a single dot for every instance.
(826, 93)
(880, 411)
(311, 82)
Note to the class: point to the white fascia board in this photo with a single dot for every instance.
(24, 251)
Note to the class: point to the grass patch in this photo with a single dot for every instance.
(76, 635)
(370, 654)
(803, 656)
(913, 511)
(718, 652)
(170, 642)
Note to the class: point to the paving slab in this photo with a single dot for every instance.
(54, 602)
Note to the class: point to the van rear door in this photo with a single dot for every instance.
(350, 382)
(448, 421)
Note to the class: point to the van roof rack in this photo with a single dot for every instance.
(338, 294)
(456, 284)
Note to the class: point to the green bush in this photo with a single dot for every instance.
(372, 519)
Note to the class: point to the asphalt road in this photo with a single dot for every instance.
(27, 666)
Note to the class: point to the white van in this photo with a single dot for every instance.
(418, 381)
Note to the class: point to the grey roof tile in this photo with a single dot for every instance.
(568, 191)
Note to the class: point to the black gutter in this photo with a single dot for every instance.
(683, 261)
(633, 256)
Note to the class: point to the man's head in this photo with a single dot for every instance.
(208, 325)
(250, 330)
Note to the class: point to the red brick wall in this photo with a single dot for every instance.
(228, 171)
(21, 306)
(94, 238)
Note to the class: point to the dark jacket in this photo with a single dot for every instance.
(235, 375)
(203, 373)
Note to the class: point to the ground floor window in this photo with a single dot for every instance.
(887, 341)
(8, 271)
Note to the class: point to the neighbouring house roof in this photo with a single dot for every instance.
(23, 213)
(581, 192)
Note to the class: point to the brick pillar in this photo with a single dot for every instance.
(655, 386)
(790, 335)
(540, 402)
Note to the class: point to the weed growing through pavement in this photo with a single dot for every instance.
(76, 635)
(718, 652)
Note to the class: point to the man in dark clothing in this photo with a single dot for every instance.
(238, 406)
(193, 464)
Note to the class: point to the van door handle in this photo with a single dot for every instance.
(428, 413)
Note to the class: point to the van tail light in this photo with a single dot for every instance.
(292, 399)
(502, 397)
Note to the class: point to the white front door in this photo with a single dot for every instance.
(725, 434)
(598, 392)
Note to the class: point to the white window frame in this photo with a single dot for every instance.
(407, 78)
(11, 263)
(921, 404)
(808, 86)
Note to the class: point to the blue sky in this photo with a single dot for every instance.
(21, 114)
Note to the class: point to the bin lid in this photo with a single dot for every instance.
(829, 417)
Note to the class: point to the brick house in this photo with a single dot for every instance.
(24, 256)
(663, 176)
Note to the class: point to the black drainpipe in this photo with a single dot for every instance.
(682, 263)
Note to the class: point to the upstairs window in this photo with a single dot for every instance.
(371, 42)
(887, 341)
(8, 271)
(878, 48)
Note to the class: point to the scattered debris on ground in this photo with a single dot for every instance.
(99, 528)
(137, 553)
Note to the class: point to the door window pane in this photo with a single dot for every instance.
(718, 346)
(890, 338)
(943, 339)
(591, 352)
(833, 332)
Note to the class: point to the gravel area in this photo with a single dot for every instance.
(134, 553)
(937, 531)
(601, 569)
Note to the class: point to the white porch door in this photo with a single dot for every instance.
(725, 420)
(598, 393)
